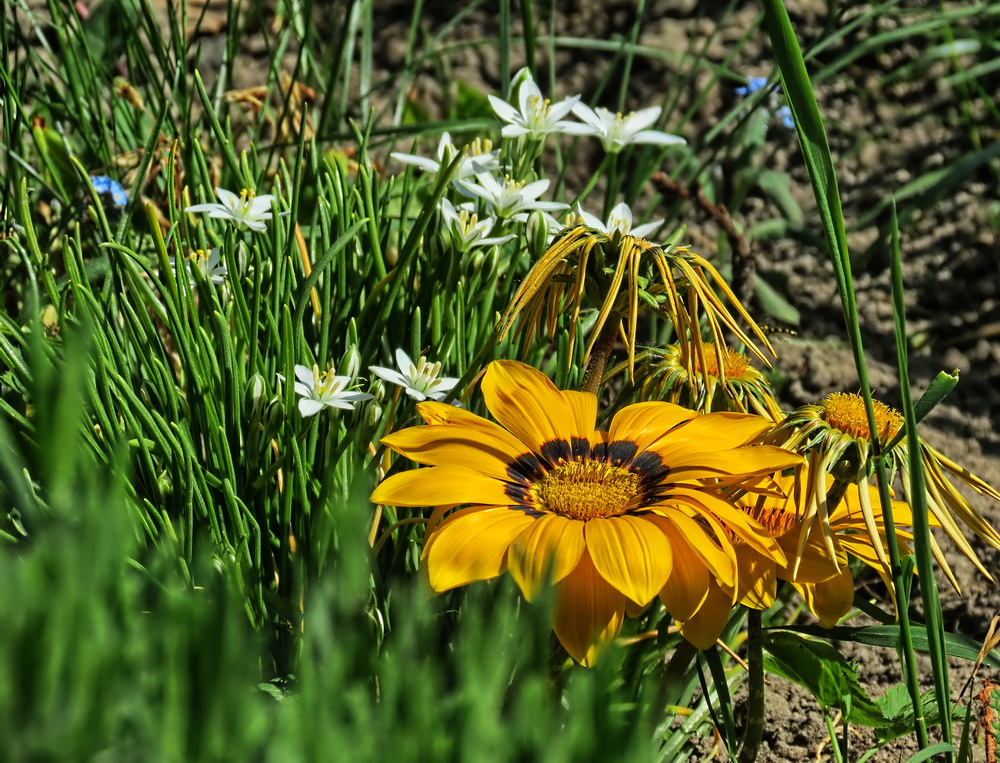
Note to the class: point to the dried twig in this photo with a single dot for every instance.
(744, 255)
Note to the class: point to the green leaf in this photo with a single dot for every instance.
(773, 303)
(778, 185)
(898, 711)
(888, 636)
(55, 158)
(820, 668)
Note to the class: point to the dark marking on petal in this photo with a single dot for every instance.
(621, 451)
(581, 448)
(557, 451)
(599, 452)
(528, 468)
(518, 492)
(649, 466)
(528, 510)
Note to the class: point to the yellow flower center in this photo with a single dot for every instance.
(734, 364)
(846, 412)
(246, 198)
(775, 521)
(587, 490)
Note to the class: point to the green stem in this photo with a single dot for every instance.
(672, 682)
(754, 732)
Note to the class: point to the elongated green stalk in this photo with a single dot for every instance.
(754, 732)
(819, 164)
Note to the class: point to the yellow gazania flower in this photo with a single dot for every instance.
(586, 261)
(826, 585)
(835, 434)
(721, 379)
(609, 517)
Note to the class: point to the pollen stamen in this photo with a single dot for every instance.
(587, 490)
(846, 412)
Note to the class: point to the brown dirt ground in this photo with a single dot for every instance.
(883, 136)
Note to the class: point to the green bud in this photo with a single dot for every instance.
(537, 232)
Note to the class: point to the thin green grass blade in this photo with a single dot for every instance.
(918, 498)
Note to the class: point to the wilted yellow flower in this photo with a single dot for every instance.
(617, 272)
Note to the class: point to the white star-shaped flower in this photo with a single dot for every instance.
(421, 381)
(466, 231)
(537, 116)
(617, 131)
(480, 152)
(318, 390)
(510, 199)
(246, 211)
(620, 219)
(209, 263)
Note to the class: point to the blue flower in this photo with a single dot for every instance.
(785, 115)
(106, 185)
(753, 85)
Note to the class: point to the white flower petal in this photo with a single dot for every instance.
(643, 231)
(658, 138)
(309, 407)
(640, 120)
(389, 375)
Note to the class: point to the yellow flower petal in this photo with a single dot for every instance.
(588, 614)
(436, 485)
(711, 431)
(815, 565)
(631, 553)
(719, 563)
(686, 588)
(729, 466)
(548, 549)
(458, 445)
(645, 423)
(831, 599)
(704, 628)
(528, 404)
(747, 529)
(757, 581)
(472, 547)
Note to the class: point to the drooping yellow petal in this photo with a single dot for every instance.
(528, 404)
(436, 485)
(756, 578)
(548, 549)
(472, 547)
(687, 586)
(704, 628)
(631, 553)
(831, 599)
(644, 423)
(588, 612)
(457, 445)
(743, 526)
(720, 564)
(815, 564)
